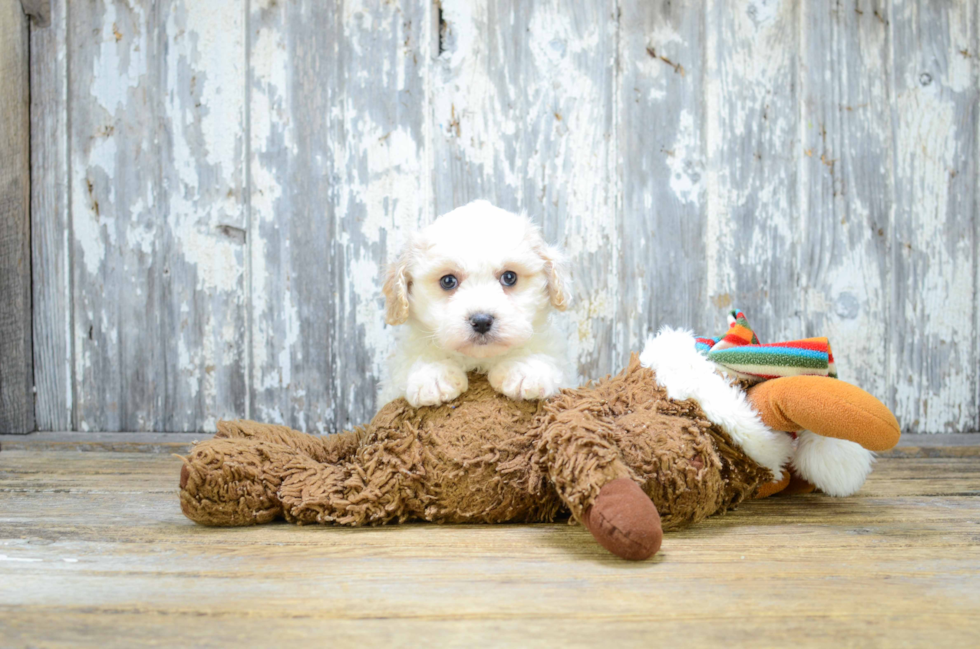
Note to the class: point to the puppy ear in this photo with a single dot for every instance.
(556, 270)
(396, 287)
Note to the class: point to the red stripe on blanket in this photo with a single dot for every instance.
(812, 344)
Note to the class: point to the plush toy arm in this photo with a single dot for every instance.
(827, 407)
(597, 486)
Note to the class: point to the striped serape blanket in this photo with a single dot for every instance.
(740, 354)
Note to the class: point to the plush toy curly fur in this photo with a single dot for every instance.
(620, 455)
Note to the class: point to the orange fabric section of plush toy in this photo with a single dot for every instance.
(767, 489)
(789, 485)
(827, 407)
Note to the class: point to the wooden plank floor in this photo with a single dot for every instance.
(95, 552)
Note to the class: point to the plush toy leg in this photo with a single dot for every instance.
(625, 521)
(352, 493)
(233, 482)
(828, 407)
(598, 487)
(328, 448)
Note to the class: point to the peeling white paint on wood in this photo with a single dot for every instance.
(845, 185)
(934, 369)
(224, 180)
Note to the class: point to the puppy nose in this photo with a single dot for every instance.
(481, 322)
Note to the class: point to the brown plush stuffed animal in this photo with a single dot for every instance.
(653, 448)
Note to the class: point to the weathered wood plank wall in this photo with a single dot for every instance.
(220, 182)
(16, 372)
(51, 234)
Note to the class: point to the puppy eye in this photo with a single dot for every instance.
(509, 278)
(448, 282)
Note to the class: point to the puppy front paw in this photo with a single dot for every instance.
(430, 384)
(526, 379)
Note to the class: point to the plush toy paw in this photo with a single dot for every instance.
(625, 521)
(528, 378)
(232, 482)
(431, 384)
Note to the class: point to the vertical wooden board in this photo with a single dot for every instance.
(567, 73)
(273, 312)
(523, 103)
(156, 178)
(752, 226)
(16, 374)
(384, 185)
(476, 96)
(295, 120)
(115, 166)
(50, 223)
(845, 185)
(934, 247)
(337, 144)
(204, 301)
(660, 135)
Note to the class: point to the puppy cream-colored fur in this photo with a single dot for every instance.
(476, 290)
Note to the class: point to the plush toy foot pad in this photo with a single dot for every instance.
(625, 521)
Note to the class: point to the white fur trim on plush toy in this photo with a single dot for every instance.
(686, 374)
(838, 467)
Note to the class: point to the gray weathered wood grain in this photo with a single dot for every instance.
(115, 58)
(157, 149)
(845, 184)
(50, 224)
(753, 223)
(338, 165)
(662, 148)
(384, 183)
(976, 232)
(934, 368)
(205, 233)
(39, 11)
(219, 189)
(16, 373)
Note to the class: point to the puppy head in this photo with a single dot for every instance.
(479, 280)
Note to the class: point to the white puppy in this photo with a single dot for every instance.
(476, 288)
